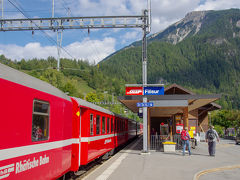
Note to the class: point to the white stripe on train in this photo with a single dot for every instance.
(30, 149)
(36, 148)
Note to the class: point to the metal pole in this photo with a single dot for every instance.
(2, 8)
(52, 8)
(59, 45)
(144, 76)
(149, 16)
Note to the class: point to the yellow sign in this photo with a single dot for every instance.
(178, 117)
(192, 128)
(78, 113)
(191, 134)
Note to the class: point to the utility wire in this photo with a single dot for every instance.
(53, 41)
(69, 12)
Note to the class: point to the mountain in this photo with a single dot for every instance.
(189, 26)
(200, 52)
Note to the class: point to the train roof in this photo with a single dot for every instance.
(19, 77)
(82, 102)
(87, 104)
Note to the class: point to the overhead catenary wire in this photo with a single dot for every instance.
(69, 13)
(53, 41)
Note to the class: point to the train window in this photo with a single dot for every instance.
(121, 125)
(40, 122)
(111, 125)
(98, 125)
(91, 124)
(108, 123)
(118, 125)
(103, 125)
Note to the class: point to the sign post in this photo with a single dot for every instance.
(144, 78)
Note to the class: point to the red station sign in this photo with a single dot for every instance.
(134, 91)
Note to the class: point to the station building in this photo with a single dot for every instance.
(176, 109)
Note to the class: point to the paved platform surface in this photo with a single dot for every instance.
(130, 164)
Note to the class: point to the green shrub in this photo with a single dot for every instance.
(220, 130)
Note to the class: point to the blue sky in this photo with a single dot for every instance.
(99, 43)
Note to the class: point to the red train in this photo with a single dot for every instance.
(45, 133)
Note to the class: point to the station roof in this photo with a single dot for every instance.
(177, 89)
(175, 100)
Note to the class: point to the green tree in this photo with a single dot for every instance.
(92, 97)
(223, 118)
(69, 88)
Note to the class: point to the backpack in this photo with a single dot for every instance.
(211, 134)
(184, 136)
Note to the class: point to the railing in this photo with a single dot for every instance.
(177, 140)
(157, 140)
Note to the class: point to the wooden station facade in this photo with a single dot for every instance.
(176, 109)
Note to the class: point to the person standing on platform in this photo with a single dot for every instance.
(211, 138)
(185, 137)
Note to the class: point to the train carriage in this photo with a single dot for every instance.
(99, 131)
(95, 131)
(45, 133)
(36, 136)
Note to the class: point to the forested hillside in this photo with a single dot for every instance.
(76, 78)
(206, 60)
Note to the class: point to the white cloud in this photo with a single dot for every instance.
(167, 12)
(164, 13)
(131, 36)
(92, 50)
(31, 50)
(100, 7)
(218, 5)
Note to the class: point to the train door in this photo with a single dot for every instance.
(76, 125)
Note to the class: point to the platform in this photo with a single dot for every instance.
(131, 164)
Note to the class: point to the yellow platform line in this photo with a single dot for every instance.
(197, 175)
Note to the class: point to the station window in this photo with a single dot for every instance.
(103, 125)
(98, 125)
(108, 123)
(91, 124)
(40, 122)
(111, 125)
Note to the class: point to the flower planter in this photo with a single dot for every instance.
(169, 146)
